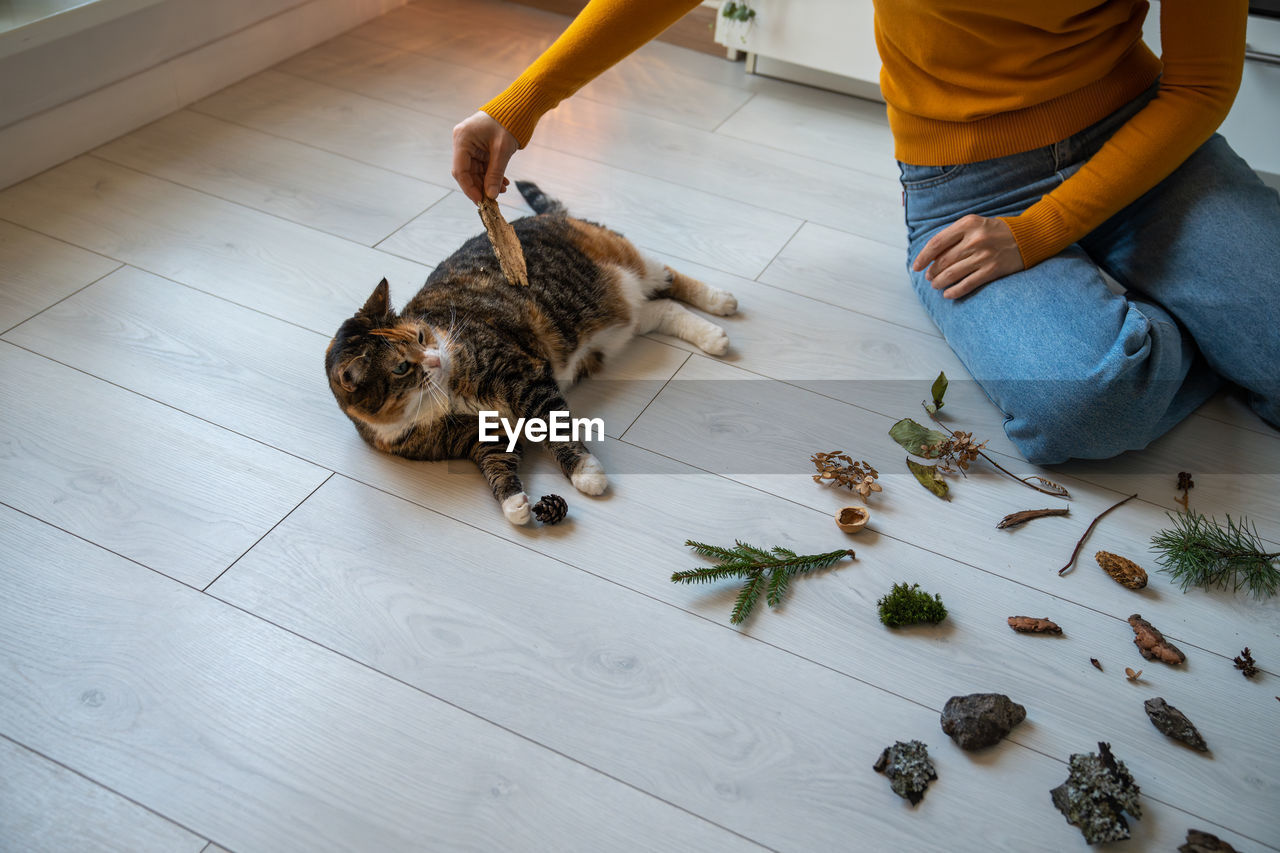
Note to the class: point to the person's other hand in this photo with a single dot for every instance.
(968, 253)
(481, 150)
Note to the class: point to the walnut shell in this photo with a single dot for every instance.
(1123, 571)
(851, 519)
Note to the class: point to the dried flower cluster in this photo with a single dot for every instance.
(840, 468)
(956, 451)
(1246, 664)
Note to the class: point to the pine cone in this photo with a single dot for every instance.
(550, 509)
(1124, 572)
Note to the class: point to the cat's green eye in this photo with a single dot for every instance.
(401, 369)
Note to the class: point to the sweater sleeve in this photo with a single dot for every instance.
(1203, 57)
(602, 34)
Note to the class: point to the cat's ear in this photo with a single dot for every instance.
(378, 307)
(350, 373)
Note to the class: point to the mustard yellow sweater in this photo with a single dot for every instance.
(968, 80)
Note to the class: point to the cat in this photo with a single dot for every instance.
(415, 382)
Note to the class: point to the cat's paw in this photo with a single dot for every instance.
(516, 508)
(722, 303)
(589, 477)
(712, 340)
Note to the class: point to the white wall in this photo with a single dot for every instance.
(65, 93)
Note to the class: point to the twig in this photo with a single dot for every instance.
(1013, 519)
(1088, 530)
(1057, 490)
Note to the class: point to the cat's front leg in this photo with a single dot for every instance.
(499, 468)
(577, 462)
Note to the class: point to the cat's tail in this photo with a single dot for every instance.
(537, 199)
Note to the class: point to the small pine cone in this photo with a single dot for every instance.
(1123, 571)
(550, 509)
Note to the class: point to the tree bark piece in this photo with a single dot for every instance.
(505, 243)
(1204, 842)
(1031, 625)
(1174, 723)
(1152, 644)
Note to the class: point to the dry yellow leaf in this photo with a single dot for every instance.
(505, 243)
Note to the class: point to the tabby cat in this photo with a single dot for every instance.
(414, 382)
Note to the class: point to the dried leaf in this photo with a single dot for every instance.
(505, 243)
(929, 477)
(914, 438)
(1132, 675)
(938, 390)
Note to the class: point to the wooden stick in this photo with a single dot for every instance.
(505, 243)
(1088, 530)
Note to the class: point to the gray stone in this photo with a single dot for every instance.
(980, 719)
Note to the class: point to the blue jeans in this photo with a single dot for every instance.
(1078, 369)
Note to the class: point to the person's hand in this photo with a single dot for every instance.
(968, 253)
(481, 150)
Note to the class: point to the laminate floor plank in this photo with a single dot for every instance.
(293, 181)
(722, 233)
(850, 131)
(889, 369)
(180, 496)
(602, 131)
(45, 808)
(261, 740)
(850, 271)
(363, 129)
(263, 378)
(38, 271)
(508, 635)
(278, 267)
(659, 503)
(762, 433)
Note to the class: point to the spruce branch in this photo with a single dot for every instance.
(1198, 551)
(766, 571)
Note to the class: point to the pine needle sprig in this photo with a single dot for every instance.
(767, 572)
(1198, 551)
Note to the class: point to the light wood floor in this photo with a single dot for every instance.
(226, 623)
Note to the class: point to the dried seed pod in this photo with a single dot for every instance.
(1031, 625)
(1174, 723)
(1152, 644)
(1132, 674)
(1095, 663)
(550, 509)
(1123, 571)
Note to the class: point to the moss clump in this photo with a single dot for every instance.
(909, 605)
